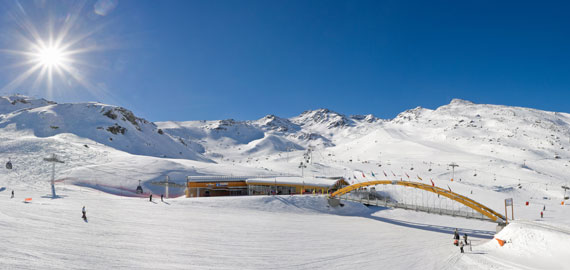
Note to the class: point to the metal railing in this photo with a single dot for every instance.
(387, 202)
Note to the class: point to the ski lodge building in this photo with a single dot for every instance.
(205, 186)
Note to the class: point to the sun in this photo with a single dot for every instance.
(50, 57)
(49, 54)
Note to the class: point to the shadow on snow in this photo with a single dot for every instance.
(433, 228)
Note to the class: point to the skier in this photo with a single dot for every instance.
(150, 197)
(455, 237)
(544, 208)
(161, 197)
(84, 213)
(461, 246)
(465, 238)
(12, 194)
(541, 214)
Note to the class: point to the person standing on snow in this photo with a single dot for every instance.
(455, 237)
(84, 213)
(541, 214)
(161, 197)
(461, 246)
(465, 238)
(12, 194)
(150, 197)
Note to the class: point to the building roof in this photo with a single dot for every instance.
(221, 178)
(295, 181)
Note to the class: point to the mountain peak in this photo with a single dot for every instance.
(276, 123)
(458, 101)
(17, 102)
(322, 117)
(369, 118)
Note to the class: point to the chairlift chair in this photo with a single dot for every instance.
(139, 188)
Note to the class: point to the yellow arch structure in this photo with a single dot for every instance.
(486, 211)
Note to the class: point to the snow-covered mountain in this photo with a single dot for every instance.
(475, 127)
(491, 141)
(113, 126)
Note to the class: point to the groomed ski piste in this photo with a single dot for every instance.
(283, 231)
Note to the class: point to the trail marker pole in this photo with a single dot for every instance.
(509, 202)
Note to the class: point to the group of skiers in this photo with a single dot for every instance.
(457, 241)
(161, 197)
(84, 212)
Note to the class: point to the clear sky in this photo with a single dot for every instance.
(194, 60)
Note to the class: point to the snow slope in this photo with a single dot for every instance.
(502, 152)
(110, 125)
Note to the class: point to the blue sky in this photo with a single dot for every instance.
(194, 60)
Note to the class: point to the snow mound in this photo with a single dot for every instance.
(537, 244)
(282, 204)
(270, 144)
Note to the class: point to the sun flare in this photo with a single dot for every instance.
(51, 57)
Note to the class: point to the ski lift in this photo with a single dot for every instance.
(9, 165)
(139, 188)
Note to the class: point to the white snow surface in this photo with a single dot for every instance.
(502, 152)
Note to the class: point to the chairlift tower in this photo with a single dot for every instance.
(565, 189)
(302, 166)
(53, 159)
(167, 184)
(453, 165)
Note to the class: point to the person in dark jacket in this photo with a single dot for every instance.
(150, 197)
(465, 238)
(12, 194)
(84, 217)
(161, 197)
